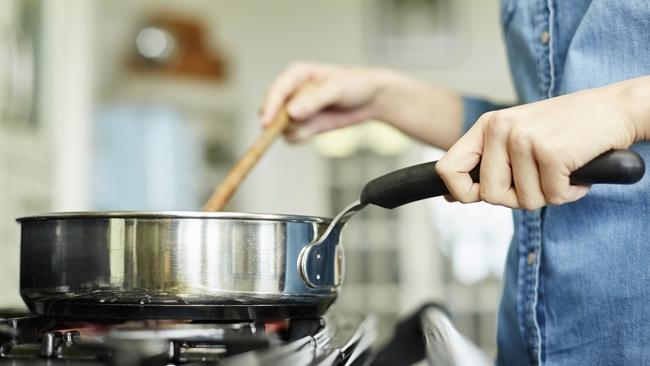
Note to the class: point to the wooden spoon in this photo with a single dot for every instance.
(223, 192)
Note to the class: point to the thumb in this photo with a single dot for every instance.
(577, 192)
(312, 100)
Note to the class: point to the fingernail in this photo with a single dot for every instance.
(295, 109)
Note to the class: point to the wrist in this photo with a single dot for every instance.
(391, 88)
(633, 97)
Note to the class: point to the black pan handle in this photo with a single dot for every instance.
(421, 181)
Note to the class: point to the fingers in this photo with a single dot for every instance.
(525, 173)
(313, 100)
(462, 157)
(496, 175)
(555, 182)
(535, 148)
(515, 171)
(284, 86)
(322, 122)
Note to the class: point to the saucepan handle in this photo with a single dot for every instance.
(421, 181)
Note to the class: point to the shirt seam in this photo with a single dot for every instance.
(551, 30)
(538, 329)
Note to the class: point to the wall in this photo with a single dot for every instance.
(263, 37)
(43, 155)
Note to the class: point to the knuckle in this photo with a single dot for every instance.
(556, 198)
(547, 154)
(520, 138)
(498, 123)
(545, 149)
(491, 119)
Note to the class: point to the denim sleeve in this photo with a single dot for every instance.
(473, 108)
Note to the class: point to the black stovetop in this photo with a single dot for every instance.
(32, 340)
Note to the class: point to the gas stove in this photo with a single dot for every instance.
(33, 340)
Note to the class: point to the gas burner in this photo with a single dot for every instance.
(40, 340)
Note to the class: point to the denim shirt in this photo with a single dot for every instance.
(577, 278)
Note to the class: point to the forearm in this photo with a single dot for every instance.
(431, 115)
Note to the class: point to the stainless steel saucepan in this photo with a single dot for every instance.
(217, 266)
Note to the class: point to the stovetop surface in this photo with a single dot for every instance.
(332, 340)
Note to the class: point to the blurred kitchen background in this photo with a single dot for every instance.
(144, 105)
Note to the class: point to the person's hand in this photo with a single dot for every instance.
(528, 152)
(340, 96)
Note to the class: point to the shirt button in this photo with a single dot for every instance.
(531, 258)
(545, 37)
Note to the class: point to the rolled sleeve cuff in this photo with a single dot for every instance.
(473, 108)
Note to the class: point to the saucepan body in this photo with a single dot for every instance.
(171, 265)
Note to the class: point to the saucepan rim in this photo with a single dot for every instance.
(174, 215)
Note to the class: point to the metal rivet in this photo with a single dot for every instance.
(531, 258)
(318, 277)
(545, 37)
(318, 256)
